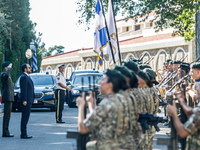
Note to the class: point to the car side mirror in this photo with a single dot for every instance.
(67, 80)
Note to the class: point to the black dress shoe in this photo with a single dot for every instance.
(8, 135)
(60, 121)
(26, 137)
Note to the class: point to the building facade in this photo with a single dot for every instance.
(135, 40)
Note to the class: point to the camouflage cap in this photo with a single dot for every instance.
(132, 66)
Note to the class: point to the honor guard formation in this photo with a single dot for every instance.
(126, 117)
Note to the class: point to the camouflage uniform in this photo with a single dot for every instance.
(109, 124)
(144, 106)
(155, 104)
(137, 129)
(193, 127)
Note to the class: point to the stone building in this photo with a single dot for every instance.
(135, 39)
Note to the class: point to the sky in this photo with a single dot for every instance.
(57, 20)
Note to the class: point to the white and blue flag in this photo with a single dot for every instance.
(100, 35)
(112, 33)
(34, 62)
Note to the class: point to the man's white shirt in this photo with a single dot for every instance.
(60, 78)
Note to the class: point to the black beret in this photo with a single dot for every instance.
(132, 66)
(195, 65)
(151, 72)
(5, 64)
(143, 66)
(124, 70)
(116, 74)
(177, 62)
(168, 60)
(185, 66)
(144, 76)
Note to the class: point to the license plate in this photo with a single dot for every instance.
(35, 102)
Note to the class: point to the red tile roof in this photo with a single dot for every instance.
(139, 39)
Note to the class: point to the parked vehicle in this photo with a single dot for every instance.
(43, 89)
(77, 86)
(69, 80)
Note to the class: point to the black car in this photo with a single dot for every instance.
(69, 80)
(44, 92)
(77, 86)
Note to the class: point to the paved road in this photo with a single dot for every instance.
(47, 134)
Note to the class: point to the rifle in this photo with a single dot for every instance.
(183, 58)
(172, 77)
(197, 59)
(168, 75)
(83, 138)
(149, 60)
(149, 119)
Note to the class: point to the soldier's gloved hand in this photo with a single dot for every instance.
(180, 96)
(80, 101)
(169, 93)
(172, 110)
(10, 65)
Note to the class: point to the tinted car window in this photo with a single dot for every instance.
(42, 80)
(78, 79)
(84, 71)
(39, 80)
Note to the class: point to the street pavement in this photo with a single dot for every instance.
(47, 134)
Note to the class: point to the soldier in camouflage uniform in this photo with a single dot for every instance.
(155, 101)
(108, 122)
(131, 106)
(191, 128)
(148, 106)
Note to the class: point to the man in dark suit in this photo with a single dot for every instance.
(7, 96)
(26, 98)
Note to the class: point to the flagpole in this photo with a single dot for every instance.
(107, 33)
(116, 34)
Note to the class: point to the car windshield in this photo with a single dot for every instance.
(78, 79)
(83, 71)
(39, 80)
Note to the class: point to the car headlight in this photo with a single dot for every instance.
(75, 91)
(49, 93)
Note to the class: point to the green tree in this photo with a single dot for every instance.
(53, 50)
(177, 14)
(22, 33)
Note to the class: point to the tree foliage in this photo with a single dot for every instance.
(53, 50)
(177, 14)
(18, 30)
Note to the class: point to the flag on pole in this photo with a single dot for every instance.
(34, 62)
(100, 35)
(112, 34)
